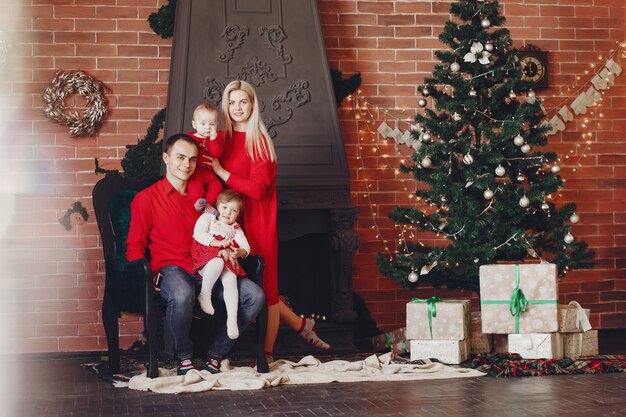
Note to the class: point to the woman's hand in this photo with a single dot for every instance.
(218, 168)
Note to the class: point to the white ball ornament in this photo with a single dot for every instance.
(545, 206)
(473, 93)
(426, 137)
(488, 194)
(456, 117)
(525, 148)
(425, 92)
(518, 140)
(520, 177)
(500, 171)
(488, 47)
(512, 95)
(485, 23)
(422, 102)
(531, 94)
(555, 169)
(468, 159)
(574, 218)
(413, 277)
(426, 162)
(524, 202)
(455, 67)
(568, 238)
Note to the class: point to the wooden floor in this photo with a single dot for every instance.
(45, 387)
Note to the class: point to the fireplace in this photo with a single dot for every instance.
(277, 46)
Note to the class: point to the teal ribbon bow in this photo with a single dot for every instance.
(431, 308)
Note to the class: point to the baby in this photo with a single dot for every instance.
(204, 185)
(213, 233)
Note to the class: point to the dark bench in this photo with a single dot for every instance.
(129, 285)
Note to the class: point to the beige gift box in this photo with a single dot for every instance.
(452, 352)
(388, 340)
(479, 342)
(537, 345)
(573, 318)
(449, 323)
(538, 282)
(580, 344)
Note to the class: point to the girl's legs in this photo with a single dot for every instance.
(231, 300)
(210, 273)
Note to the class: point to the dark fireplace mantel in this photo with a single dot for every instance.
(277, 46)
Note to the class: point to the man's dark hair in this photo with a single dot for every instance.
(169, 143)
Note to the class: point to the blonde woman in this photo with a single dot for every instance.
(248, 166)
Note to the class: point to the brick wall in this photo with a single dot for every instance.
(53, 278)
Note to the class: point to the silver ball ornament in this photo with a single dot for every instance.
(413, 277)
(531, 94)
(524, 202)
(574, 218)
(426, 137)
(488, 194)
(485, 23)
(518, 140)
(500, 171)
(473, 93)
(555, 169)
(455, 67)
(545, 206)
(512, 95)
(425, 92)
(520, 177)
(426, 162)
(525, 148)
(456, 117)
(568, 238)
(468, 159)
(422, 102)
(489, 47)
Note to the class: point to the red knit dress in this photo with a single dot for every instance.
(256, 182)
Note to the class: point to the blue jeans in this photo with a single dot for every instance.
(179, 289)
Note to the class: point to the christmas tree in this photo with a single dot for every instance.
(488, 186)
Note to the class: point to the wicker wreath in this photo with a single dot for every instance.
(66, 83)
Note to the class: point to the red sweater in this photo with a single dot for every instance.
(162, 220)
(256, 181)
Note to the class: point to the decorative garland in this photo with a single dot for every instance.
(66, 83)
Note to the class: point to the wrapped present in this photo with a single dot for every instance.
(479, 342)
(451, 352)
(537, 345)
(437, 319)
(387, 340)
(401, 348)
(519, 298)
(580, 344)
(573, 318)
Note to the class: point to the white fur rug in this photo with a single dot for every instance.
(308, 370)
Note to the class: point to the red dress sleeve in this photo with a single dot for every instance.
(262, 174)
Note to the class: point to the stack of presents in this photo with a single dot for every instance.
(519, 313)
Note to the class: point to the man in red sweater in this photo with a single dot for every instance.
(162, 221)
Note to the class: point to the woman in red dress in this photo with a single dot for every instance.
(248, 166)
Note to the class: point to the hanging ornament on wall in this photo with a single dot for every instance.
(426, 162)
(468, 159)
(568, 238)
(422, 102)
(525, 148)
(455, 67)
(500, 171)
(574, 218)
(518, 140)
(555, 169)
(485, 23)
(488, 194)
(489, 46)
(524, 202)
(413, 277)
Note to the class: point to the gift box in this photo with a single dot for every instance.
(387, 340)
(479, 342)
(573, 318)
(580, 344)
(537, 345)
(519, 298)
(437, 319)
(452, 352)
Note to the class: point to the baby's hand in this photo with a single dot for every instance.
(213, 132)
(200, 204)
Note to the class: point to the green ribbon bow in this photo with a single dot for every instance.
(431, 308)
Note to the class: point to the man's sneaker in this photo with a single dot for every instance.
(212, 365)
(184, 366)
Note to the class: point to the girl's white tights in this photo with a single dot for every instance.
(213, 270)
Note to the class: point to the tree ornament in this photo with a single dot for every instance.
(531, 94)
(426, 137)
(473, 92)
(500, 171)
(488, 194)
(468, 159)
(512, 95)
(520, 177)
(525, 148)
(545, 206)
(425, 91)
(524, 202)
(555, 169)
(519, 140)
(422, 102)
(568, 238)
(456, 117)
(426, 162)
(574, 218)
(485, 23)
(489, 47)
(413, 277)
(455, 67)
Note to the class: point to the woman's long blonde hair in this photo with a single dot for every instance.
(258, 142)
